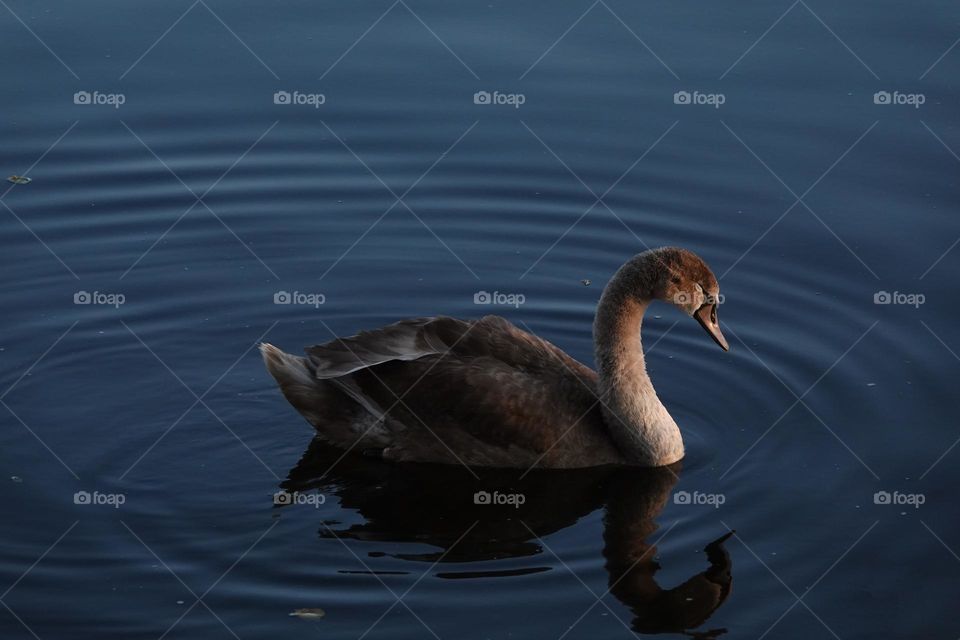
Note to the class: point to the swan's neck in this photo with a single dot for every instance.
(642, 429)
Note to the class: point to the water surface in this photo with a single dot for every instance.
(202, 197)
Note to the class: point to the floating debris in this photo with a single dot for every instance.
(19, 180)
(585, 282)
(309, 614)
(16, 479)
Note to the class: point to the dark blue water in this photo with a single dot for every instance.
(184, 186)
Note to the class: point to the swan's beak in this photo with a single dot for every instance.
(706, 315)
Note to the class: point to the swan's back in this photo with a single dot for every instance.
(440, 389)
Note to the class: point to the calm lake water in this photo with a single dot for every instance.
(191, 162)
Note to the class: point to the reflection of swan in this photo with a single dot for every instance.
(631, 564)
(486, 393)
(434, 505)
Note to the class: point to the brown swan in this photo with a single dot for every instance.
(486, 393)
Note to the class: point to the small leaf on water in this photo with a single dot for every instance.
(19, 180)
(309, 614)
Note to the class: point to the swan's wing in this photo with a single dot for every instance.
(489, 337)
(405, 340)
(482, 392)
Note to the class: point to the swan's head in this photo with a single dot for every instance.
(688, 283)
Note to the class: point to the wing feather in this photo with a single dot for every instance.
(403, 341)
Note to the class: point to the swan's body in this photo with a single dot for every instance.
(487, 393)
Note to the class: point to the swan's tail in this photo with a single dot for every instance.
(340, 417)
(286, 368)
(296, 381)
